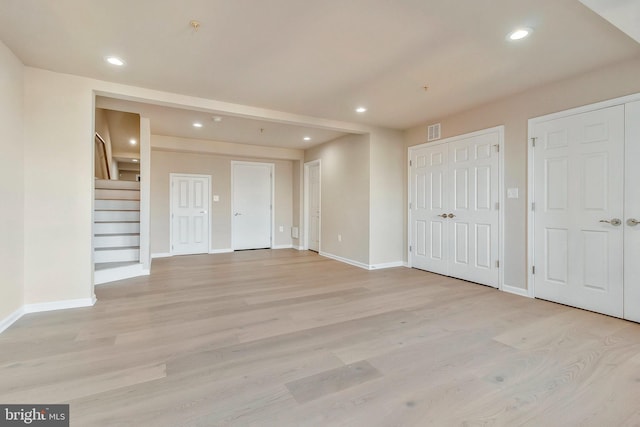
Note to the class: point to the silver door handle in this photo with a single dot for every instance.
(237, 213)
(451, 215)
(614, 221)
(203, 212)
(632, 222)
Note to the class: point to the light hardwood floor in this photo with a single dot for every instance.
(288, 338)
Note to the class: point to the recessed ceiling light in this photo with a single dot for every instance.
(217, 119)
(132, 141)
(134, 160)
(519, 34)
(114, 60)
(307, 138)
(197, 125)
(361, 110)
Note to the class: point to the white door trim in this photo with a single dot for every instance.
(305, 240)
(530, 168)
(272, 169)
(501, 191)
(172, 176)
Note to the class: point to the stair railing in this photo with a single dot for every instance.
(101, 146)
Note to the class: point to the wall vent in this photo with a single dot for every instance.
(433, 132)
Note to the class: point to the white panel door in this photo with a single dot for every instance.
(578, 167)
(252, 205)
(455, 217)
(474, 196)
(314, 207)
(189, 214)
(429, 208)
(632, 214)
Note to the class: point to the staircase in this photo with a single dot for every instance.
(116, 230)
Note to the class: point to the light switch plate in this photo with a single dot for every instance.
(512, 193)
(216, 198)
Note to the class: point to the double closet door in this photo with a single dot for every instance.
(586, 237)
(454, 207)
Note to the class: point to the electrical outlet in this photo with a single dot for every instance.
(339, 237)
(282, 228)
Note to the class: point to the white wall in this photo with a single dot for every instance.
(513, 112)
(11, 183)
(298, 201)
(387, 157)
(362, 197)
(58, 130)
(344, 196)
(145, 192)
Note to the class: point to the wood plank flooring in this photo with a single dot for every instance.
(288, 338)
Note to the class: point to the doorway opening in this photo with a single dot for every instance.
(312, 205)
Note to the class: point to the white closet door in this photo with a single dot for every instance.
(632, 212)
(429, 207)
(454, 207)
(474, 194)
(578, 167)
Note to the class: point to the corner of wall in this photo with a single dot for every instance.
(386, 189)
(12, 225)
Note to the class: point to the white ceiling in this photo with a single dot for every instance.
(319, 58)
(179, 122)
(624, 14)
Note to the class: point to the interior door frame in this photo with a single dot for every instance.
(501, 191)
(272, 171)
(305, 240)
(530, 171)
(172, 176)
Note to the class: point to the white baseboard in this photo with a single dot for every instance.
(406, 264)
(44, 306)
(220, 251)
(101, 277)
(345, 260)
(282, 247)
(300, 248)
(161, 255)
(11, 319)
(386, 265)
(363, 265)
(516, 291)
(59, 305)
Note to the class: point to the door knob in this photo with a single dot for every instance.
(632, 222)
(614, 221)
(451, 215)
(237, 213)
(443, 215)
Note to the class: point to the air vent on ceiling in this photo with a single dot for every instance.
(433, 132)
